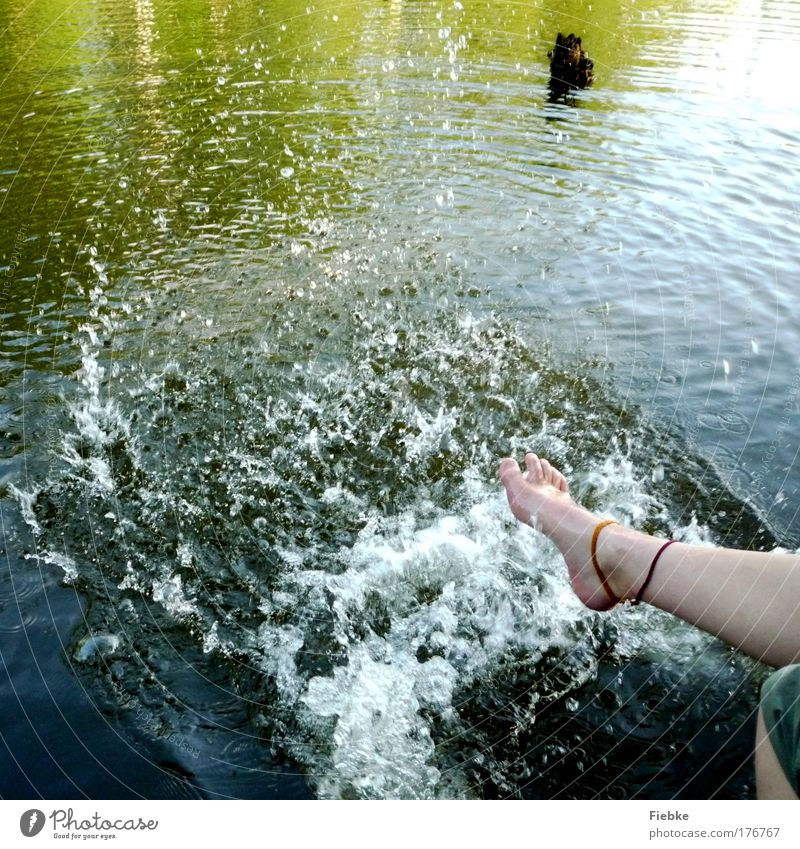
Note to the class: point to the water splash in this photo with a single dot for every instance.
(320, 508)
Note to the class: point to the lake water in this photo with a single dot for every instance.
(280, 284)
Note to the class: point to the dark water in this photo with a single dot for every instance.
(279, 287)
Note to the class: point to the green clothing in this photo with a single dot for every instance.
(780, 704)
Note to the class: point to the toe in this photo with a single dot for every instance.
(547, 471)
(534, 465)
(509, 469)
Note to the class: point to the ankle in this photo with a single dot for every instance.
(618, 561)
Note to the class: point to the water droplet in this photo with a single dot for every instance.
(97, 645)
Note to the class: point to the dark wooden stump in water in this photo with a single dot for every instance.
(570, 66)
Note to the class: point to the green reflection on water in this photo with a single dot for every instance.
(143, 128)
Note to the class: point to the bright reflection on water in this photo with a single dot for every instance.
(281, 286)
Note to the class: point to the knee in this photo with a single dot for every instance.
(781, 690)
(780, 707)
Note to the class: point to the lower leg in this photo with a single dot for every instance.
(749, 599)
(541, 499)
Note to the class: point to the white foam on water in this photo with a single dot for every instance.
(169, 592)
(99, 422)
(432, 434)
(26, 501)
(371, 659)
(381, 745)
(96, 645)
(52, 558)
(462, 595)
(616, 482)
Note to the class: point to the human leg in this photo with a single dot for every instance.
(749, 599)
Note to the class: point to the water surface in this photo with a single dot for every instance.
(280, 286)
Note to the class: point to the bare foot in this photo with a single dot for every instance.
(541, 499)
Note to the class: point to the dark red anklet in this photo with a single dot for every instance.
(650, 571)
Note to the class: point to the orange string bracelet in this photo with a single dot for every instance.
(599, 527)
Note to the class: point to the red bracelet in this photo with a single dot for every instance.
(650, 571)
